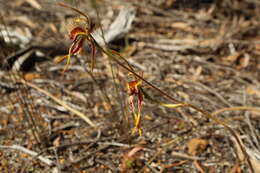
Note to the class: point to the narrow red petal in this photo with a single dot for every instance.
(131, 102)
(76, 46)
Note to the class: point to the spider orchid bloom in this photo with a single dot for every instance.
(134, 91)
(79, 31)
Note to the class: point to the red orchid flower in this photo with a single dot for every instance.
(134, 90)
(79, 31)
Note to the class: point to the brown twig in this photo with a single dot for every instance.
(62, 103)
(30, 152)
(239, 108)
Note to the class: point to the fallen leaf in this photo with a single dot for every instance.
(243, 62)
(182, 26)
(197, 145)
(130, 50)
(24, 155)
(31, 76)
(148, 117)
(107, 106)
(57, 141)
(236, 168)
(252, 91)
(231, 58)
(62, 161)
(130, 158)
(134, 151)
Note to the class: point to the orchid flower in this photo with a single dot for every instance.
(79, 30)
(134, 91)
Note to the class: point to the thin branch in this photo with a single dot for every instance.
(62, 103)
(30, 152)
(239, 108)
(186, 156)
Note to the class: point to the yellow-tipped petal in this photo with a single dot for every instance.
(59, 59)
(67, 64)
(135, 129)
(137, 118)
(140, 132)
(172, 105)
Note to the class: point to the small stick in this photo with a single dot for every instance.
(238, 108)
(30, 152)
(62, 103)
(186, 156)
